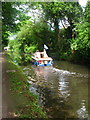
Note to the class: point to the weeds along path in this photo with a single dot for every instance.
(17, 100)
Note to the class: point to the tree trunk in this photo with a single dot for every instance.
(56, 25)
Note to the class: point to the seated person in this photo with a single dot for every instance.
(37, 54)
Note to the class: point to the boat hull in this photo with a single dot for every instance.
(39, 64)
(42, 60)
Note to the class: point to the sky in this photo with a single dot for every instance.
(83, 2)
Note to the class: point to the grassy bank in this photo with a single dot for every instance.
(24, 103)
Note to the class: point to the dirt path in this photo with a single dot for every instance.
(3, 88)
(0, 85)
(6, 102)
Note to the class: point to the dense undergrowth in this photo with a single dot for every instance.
(25, 104)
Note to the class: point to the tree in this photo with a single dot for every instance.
(64, 12)
(46, 28)
(9, 14)
(81, 44)
(31, 37)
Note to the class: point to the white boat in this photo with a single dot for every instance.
(42, 59)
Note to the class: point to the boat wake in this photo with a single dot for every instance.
(65, 72)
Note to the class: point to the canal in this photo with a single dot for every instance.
(62, 89)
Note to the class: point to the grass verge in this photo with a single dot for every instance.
(24, 103)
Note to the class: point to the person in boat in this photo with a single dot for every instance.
(40, 62)
(37, 54)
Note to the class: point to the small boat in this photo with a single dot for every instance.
(41, 59)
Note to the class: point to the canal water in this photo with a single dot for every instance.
(62, 89)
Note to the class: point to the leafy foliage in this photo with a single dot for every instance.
(81, 44)
(8, 20)
(62, 26)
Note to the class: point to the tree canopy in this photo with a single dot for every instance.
(62, 26)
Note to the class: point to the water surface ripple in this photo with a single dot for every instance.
(62, 89)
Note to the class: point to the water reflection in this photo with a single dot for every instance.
(63, 87)
(53, 89)
(82, 111)
(62, 93)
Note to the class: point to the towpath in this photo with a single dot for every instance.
(0, 85)
(3, 87)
